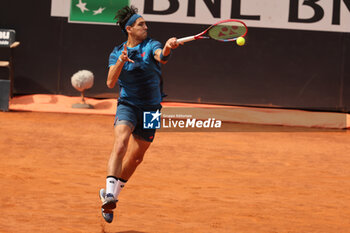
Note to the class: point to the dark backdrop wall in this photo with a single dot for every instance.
(276, 68)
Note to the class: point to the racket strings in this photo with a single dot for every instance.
(227, 31)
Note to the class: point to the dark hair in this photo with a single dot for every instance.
(123, 15)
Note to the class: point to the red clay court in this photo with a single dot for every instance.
(267, 179)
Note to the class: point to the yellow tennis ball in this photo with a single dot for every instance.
(240, 41)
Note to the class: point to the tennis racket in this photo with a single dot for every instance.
(224, 31)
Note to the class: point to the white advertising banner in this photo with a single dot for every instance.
(319, 15)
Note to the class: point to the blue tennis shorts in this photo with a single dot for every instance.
(132, 115)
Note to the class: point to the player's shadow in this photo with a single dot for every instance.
(131, 231)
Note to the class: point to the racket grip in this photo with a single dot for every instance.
(185, 39)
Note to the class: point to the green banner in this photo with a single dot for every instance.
(95, 11)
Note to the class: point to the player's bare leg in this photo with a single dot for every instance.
(134, 156)
(122, 135)
(132, 160)
(133, 150)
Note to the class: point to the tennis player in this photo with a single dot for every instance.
(135, 65)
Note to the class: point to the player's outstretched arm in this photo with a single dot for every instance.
(162, 55)
(114, 71)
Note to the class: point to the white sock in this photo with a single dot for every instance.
(111, 183)
(118, 188)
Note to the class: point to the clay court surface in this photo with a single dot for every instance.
(52, 166)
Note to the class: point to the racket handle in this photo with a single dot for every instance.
(186, 39)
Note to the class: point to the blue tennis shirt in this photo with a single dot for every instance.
(139, 82)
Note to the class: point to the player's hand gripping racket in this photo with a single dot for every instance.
(226, 30)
